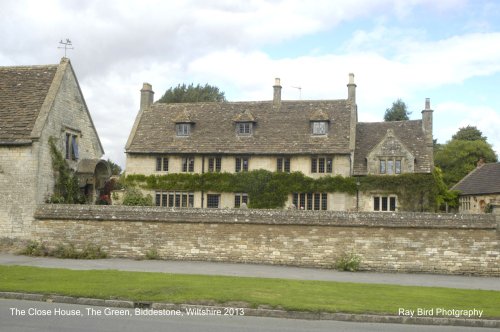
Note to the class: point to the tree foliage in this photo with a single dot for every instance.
(66, 186)
(115, 168)
(458, 157)
(268, 190)
(398, 112)
(193, 94)
(469, 133)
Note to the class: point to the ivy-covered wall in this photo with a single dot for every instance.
(416, 192)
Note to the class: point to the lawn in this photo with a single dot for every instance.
(288, 294)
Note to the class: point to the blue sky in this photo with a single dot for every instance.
(447, 50)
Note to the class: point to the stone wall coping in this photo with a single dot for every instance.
(270, 217)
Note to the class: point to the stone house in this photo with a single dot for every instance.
(479, 188)
(316, 137)
(36, 103)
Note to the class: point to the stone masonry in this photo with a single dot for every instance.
(395, 242)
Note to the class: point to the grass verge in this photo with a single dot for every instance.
(287, 294)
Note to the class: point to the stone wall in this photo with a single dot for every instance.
(17, 190)
(409, 242)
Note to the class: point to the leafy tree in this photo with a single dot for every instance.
(469, 133)
(458, 157)
(398, 112)
(192, 94)
(115, 168)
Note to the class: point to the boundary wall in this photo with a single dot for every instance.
(390, 242)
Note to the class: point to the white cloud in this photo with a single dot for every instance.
(121, 44)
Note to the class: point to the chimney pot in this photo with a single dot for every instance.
(427, 103)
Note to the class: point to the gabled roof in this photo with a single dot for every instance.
(27, 94)
(285, 130)
(22, 93)
(484, 179)
(410, 133)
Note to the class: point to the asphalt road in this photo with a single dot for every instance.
(255, 270)
(25, 316)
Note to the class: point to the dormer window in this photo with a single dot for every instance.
(183, 129)
(244, 128)
(319, 127)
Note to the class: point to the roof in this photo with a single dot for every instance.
(283, 130)
(22, 92)
(484, 179)
(410, 133)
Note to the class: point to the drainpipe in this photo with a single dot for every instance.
(202, 183)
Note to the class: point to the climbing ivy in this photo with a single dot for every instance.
(416, 192)
(66, 187)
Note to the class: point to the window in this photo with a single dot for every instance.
(71, 146)
(319, 127)
(464, 203)
(174, 199)
(382, 166)
(213, 201)
(240, 199)
(398, 166)
(241, 164)
(183, 129)
(310, 201)
(188, 164)
(162, 164)
(390, 166)
(384, 203)
(283, 165)
(244, 128)
(214, 164)
(321, 165)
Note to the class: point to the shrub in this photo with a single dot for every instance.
(152, 254)
(134, 196)
(348, 262)
(35, 248)
(64, 251)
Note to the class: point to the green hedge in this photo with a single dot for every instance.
(416, 192)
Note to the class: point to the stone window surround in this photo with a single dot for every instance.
(321, 164)
(213, 201)
(283, 164)
(244, 128)
(310, 201)
(384, 167)
(161, 164)
(178, 199)
(391, 203)
(183, 129)
(188, 164)
(319, 128)
(241, 164)
(240, 198)
(214, 164)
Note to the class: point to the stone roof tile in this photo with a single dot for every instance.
(484, 179)
(276, 131)
(22, 92)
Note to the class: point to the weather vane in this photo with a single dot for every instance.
(67, 45)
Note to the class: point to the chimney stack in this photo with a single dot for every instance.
(277, 93)
(351, 89)
(147, 95)
(427, 122)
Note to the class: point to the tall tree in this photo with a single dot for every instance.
(469, 133)
(398, 112)
(193, 94)
(459, 156)
(115, 168)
